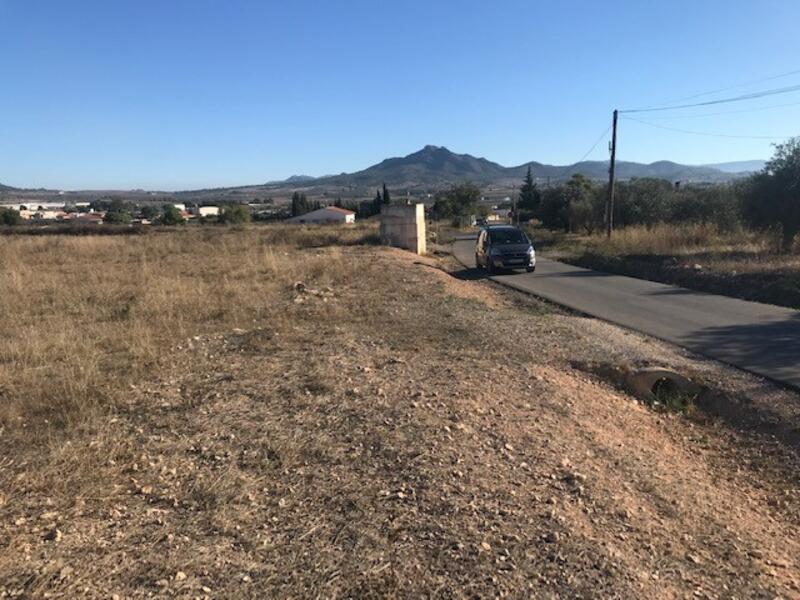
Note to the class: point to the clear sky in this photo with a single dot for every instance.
(177, 94)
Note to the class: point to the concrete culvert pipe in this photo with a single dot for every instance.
(661, 386)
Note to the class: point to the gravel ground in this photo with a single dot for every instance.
(409, 433)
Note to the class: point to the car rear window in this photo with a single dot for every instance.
(508, 236)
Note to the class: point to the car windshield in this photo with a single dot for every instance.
(508, 236)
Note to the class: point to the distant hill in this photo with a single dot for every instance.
(739, 166)
(663, 169)
(430, 166)
(428, 169)
(436, 165)
(298, 179)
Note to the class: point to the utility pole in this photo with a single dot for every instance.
(611, 169)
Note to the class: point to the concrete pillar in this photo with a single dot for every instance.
(403, 226)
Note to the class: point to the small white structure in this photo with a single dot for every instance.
(403, 226)
(329, 214)
(205, 211)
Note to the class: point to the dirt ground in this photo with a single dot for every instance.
(405, 432)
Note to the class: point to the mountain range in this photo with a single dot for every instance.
(436, 165)
(739, 166)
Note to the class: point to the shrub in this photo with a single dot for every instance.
(554, 208)
(171, 215)
(120, 217)
(234, 214)
(9, 216)
(459, 201)
(644, 201)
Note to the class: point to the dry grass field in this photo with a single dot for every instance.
(742, 264)
(295, 412)
(86, 317)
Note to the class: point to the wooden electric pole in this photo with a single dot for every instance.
(611, 169)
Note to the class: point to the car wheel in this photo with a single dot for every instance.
(530, 269)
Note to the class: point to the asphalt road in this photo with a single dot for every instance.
(760, 338)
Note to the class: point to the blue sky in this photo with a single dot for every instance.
(177, 94)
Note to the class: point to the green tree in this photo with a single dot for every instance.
(386, 198)
(719, 205)
(772, 197)
(171, 215)
(483, 210)
(117, 217)
(570, 206)
(554, 208)
(376, 203)
(301, 205)
(459, 201)
(150, 212)
(117, 211)
(234, 214)
(643, 201)
(9, 216)
(580, 208)
(529, 197)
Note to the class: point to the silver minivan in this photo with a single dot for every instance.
(504, 247)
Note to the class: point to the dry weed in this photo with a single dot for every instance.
(83, 318)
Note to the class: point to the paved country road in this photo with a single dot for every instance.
(760, 338)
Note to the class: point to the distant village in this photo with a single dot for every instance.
(117, 212)
(101, 212)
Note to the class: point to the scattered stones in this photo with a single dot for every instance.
(53, 535)
(575, 478)
(693, 558)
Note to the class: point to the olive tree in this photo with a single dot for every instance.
(772, 196)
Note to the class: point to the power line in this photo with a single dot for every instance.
(742, 97)
(599, 139)
(739, 85)
(752, 96)
(727, 112)
(723, 135)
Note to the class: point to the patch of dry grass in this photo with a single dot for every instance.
(671, 240)
(679, 240)
(83, 318)
(352, 438)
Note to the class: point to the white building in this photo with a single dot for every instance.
(206, 211)
(329, 214)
